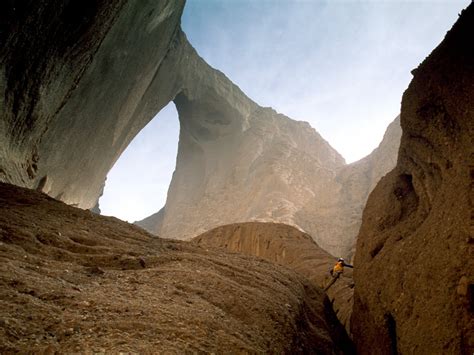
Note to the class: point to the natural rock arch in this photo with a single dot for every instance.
(236, 160)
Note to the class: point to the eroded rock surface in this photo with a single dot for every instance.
(275, 170)
(290, 247)
(72, 281)
(265, 169)
(78, 83)
(414, 267)
(333, 217)
(73, 89)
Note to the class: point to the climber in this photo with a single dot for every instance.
(336, 271)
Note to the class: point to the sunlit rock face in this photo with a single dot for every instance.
(266, 168)
(333, 216)
(286, 245)
(238, 162)
(77, 83)
(414, 271)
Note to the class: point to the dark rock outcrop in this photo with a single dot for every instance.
(414, 267)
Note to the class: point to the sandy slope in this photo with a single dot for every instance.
(290, 247)
(72, 281)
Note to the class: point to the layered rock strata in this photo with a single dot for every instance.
(414, 268)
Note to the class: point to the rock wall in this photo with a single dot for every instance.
(76, 89)
(266, 170)
(239, 162)
(42, 62)
(414, 267)
(273, 169)
(76, 85)
(334, 220)
(288, 246)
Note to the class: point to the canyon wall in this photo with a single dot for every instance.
(273, 170)
(265, 171)
(334, 221)
(414, 267)
(77, 84)
(288, 246)
(76, 89)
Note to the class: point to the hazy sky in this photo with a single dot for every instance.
(340, 65)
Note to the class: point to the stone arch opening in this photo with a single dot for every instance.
(137, 184)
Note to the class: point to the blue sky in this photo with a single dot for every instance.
(340, 65)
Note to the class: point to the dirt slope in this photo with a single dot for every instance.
(415, 269)
(287, 246)
(72, 281)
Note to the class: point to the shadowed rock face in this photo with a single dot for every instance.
(414, 268)
(75, 86)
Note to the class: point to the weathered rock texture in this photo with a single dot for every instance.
(266, 170)
(275, 169)
(333, 217)
(77, 83)
(290, 247)
(414, 261)
(76, 282)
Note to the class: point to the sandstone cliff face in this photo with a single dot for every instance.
(414, 267)
(266, 170)
(290, 247)
(240, 162)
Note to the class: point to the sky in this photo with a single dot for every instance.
(341, 65)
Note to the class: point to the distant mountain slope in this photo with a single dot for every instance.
(335, 221)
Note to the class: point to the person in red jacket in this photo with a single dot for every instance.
(336, 271)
